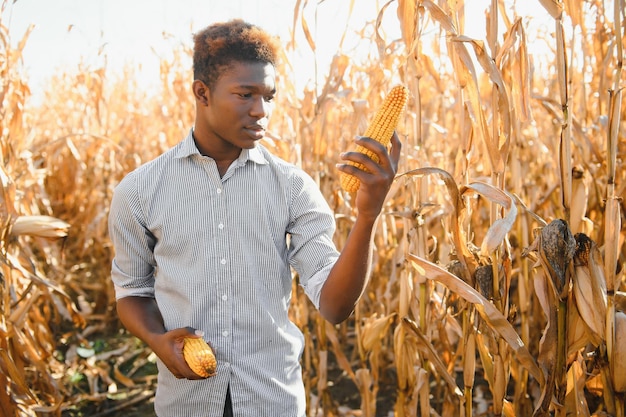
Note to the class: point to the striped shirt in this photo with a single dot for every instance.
(217, 254)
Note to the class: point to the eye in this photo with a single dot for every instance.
(245, 95)
(270, 98)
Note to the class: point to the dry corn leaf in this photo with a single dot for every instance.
(457, 202)
(469, 360)
(615, 110)
(500, 383)
(548, 340)
(618, 360)
(322, 378)
(429, 352)
(342, 360)
(65, 306)
(7, 194)
(521, 73)
(575, 398)
(408, 17)
(612, 228)
(486, 358)
(502, 108)
(440, 16)
(485, 308)
(16, 376)
(406, 296)
(464, 69)
(553, 7)
(501, 227)
(575, 12)
(381, 44)
(365, 383)
(406, 357)
(307, 33)
(532, 214)
(451, 186)
(50, 409)
(422, 389)
(21, 310)
(492, 16)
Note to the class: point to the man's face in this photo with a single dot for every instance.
(240, 105)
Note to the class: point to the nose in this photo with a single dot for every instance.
(260, 108)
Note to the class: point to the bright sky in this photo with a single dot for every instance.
(131, 31)
(67, 31)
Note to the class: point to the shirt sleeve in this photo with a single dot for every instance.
(133, 265)
(312, 250)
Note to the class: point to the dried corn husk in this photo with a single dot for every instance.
(589, 286)
(41, 226)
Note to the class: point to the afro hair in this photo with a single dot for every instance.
(219, 45)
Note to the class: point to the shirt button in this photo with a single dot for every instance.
(219, 191)
(224, 297)
(225, 333)
(223, 261)
(220, 226)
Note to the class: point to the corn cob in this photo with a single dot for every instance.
(199, 356)
(380, 129)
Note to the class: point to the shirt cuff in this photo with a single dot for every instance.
(121, 292)
(313, 287)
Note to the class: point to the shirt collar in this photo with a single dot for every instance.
(188, 148)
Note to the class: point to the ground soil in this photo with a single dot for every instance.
(343, 392)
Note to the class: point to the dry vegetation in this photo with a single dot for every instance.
(498, 278)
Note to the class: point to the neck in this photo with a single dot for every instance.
(216, 150)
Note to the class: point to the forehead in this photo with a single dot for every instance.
(250, 74)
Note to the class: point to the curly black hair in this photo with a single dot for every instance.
(219, 45)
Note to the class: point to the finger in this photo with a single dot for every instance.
(371, 162)
(359, 159)
(371, 144)
(396, 148)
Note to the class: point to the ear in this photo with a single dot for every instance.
(200, 92)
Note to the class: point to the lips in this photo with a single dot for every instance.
(256, 131)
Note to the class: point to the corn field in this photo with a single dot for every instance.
(498, 280)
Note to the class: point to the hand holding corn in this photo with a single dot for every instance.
(185, 353)
(381, 129)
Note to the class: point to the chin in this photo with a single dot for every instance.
(248, 145)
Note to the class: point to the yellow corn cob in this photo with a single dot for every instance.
(199, 356)
(380, 129)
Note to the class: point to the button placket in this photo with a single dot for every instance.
(223, 268)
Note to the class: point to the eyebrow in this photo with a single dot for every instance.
(254, 88)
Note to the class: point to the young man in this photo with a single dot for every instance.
(206, 236)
